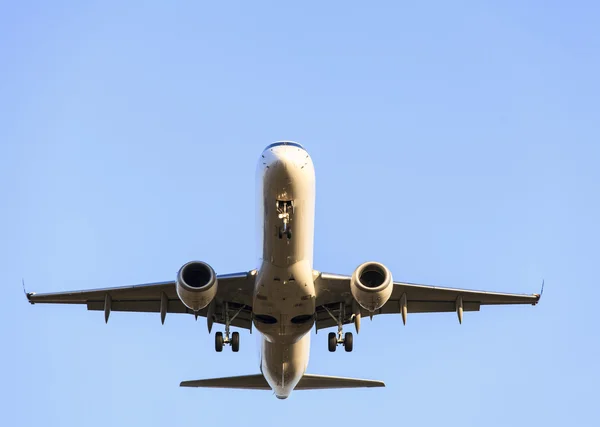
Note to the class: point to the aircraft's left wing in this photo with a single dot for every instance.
(233, 289)
(333, 295)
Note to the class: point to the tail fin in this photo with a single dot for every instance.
(307, 382)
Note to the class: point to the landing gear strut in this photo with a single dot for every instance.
(221, 340)
(284, 209)
(333, 339)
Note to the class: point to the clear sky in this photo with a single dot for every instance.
(456, 142)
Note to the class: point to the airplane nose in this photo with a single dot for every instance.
(281, 159)
(285, 156)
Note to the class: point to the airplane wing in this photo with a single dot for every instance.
(333, 290)
(233, 289)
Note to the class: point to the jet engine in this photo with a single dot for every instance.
(196, 285)
(371, 285)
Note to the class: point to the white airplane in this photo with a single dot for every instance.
(284, 298)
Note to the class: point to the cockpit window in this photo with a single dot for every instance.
(288, 143)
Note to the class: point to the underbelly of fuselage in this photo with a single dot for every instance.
(283, 365)
(283, 313)
(284, 301)
(284, 295)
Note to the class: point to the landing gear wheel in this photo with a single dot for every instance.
(235, 342)
(348, 341)
(332, 341)
(289, 234)
(219, 341)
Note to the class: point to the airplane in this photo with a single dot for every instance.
(284, 298)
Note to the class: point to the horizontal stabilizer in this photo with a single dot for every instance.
(250, 382)
(308, 382)
(314, 382)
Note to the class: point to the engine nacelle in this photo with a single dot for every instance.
(371, 285)
(196, 285)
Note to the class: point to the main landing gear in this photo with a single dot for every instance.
(284, 209)
(347, 341)
(333, 339)
(221, 340)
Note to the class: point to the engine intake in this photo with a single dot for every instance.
(196, 285)
(371, 285)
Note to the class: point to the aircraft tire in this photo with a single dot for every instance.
(348, 342)
(219, 342)
(332, 341)
(235, 342)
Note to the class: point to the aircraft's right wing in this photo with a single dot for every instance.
(234, 289)
(333, 289)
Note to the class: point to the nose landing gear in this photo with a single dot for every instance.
(284, 210)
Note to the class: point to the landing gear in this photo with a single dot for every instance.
(284, 209)
(287, 233)
(348, 341)
(221, 340)
(235, 342)
(334, 339)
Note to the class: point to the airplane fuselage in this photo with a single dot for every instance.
(284, 294)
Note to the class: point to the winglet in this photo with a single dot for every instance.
(27, 294)
(539, 296)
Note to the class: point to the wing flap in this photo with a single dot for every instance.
(242, 320)
(174, 306)
(428, 307)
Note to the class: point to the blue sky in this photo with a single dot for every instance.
(456, 142)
